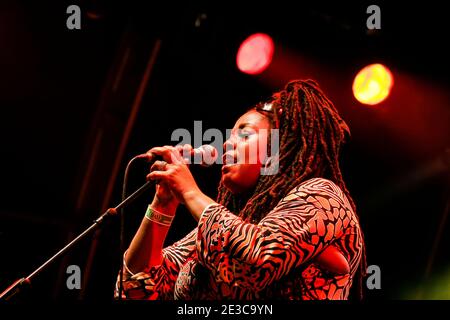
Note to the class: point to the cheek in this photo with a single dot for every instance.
(252, 151)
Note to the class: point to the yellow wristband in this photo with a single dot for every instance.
(158, 217)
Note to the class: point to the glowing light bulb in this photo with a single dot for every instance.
(255, 54)
(373, 84)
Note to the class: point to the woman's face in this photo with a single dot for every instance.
(245, 151)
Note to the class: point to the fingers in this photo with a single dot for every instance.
(159, 166)
(172, 162)
(168, 153)
(185, 151)
(157, 175)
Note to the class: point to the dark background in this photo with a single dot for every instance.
(66, 97)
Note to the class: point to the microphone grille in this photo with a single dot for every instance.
(209, 154)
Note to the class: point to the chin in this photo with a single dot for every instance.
(231, 185)
(234, 186)
(239, 178)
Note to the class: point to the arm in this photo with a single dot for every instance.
(146, 247)
(178, 177)
(158, 280)
(157, 268)
(303, 224)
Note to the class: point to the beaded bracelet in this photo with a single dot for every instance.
(158, 217)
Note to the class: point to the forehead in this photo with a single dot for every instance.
(253, 118)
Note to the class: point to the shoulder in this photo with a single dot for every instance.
(319, 185)
(320, 192)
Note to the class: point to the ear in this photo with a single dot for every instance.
(270, 166)
(267, 162)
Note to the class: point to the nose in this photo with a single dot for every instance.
(229, 144)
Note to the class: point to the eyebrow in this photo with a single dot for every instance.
(246, 124)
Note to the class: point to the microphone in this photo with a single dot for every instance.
(204, 155)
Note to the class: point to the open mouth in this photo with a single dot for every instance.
(228, 159)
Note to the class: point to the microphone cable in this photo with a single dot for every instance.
(122, 225)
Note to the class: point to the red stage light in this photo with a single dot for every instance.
(373, 84)
(255, 53)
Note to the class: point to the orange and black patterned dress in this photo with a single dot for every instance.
(227, 258)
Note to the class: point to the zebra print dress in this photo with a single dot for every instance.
(227, 258)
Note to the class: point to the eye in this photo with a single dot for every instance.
(244, 134)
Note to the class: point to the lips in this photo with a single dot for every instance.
(226, 168)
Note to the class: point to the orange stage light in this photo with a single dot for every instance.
(373, 84)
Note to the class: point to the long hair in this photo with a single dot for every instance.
(311, 134)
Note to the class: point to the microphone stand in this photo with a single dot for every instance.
(19, 285)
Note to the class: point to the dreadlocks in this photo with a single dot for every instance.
(311, 133)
